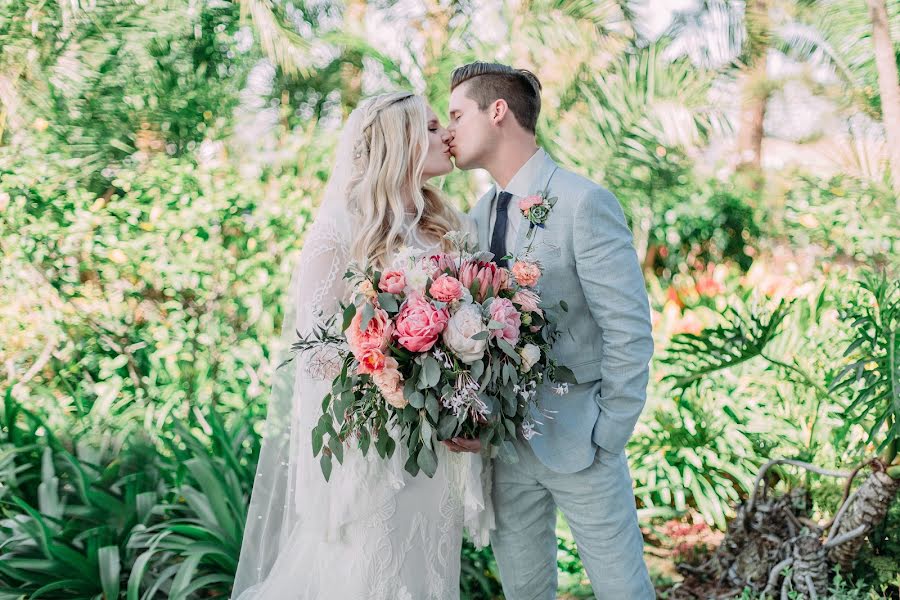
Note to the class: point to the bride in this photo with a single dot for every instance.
(373, 531)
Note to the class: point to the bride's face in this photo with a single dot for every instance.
(437, 161)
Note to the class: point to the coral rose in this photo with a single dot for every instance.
(390, 383)
(392, 282)
(526, 273)
(446, 289)
(371, 361)
(375, 337)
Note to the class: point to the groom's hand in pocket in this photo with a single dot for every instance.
(459, 444)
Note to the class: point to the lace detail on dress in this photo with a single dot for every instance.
(323, 262)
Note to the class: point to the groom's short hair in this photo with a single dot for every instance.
(520, 88)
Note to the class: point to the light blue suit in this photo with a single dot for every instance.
(577, 462)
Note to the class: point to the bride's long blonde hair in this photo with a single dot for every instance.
(389, 159)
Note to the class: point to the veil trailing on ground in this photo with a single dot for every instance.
(288, 484)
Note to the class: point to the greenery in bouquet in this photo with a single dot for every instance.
(435, 347)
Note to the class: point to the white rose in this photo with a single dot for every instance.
(458, 335)
(416, 280)
(530, 354)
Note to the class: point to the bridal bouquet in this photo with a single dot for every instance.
(436, 347)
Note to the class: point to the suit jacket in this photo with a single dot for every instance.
(587, 256)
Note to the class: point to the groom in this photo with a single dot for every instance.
(577, 461)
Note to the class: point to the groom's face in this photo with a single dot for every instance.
(471, 128)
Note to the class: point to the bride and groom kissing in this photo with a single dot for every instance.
(374, 531)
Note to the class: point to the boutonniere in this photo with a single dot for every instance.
(536, 210)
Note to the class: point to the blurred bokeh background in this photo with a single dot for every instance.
(160, 161)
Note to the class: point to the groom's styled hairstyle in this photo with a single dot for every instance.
(520, 88)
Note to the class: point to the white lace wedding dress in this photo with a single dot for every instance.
(373, 532)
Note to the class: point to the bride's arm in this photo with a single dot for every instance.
(320, 289)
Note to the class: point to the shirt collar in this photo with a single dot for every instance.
(523, 182)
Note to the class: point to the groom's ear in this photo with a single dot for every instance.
(498, 110)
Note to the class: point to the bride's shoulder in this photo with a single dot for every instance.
(328, 230)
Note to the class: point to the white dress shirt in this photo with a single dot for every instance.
(521, 185)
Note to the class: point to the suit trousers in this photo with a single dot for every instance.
(598, 503)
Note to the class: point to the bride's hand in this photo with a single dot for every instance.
(459, 444)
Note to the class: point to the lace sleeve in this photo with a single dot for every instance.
(321, 288)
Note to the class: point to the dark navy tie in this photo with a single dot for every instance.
(498, 237)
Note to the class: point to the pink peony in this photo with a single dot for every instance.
(446, 289)
(371, 361)
(392, 282)
(375, 337)
(503, 311)
(526, 203)
(419, 324)
(390, 383)
(526, 273)
(488, 275)
(528, 300)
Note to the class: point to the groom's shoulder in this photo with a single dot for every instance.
(575, 187)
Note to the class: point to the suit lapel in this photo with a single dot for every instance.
(542, 181)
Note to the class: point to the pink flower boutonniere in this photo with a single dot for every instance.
(536, 210)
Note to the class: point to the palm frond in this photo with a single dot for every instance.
(742, 337)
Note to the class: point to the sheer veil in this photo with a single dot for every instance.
(288, 478)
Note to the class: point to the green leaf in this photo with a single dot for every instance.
(325, 463)
(431, 372)
(481, 335)
(349, 313)
(110, 567)
(563, 374)
(412, 465)
(368, 314)
(317, 440)
(427, 461)
(447, 426)
(476, 369)
(388, 302)
(432, 406)
(427, 432)
(337, 448)
(509, 350)
(416, 400)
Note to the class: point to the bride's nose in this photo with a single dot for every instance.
(446, 136)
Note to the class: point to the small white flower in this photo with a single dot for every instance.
(561, 389)
(416, 280)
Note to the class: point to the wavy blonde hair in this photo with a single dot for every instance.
(389, 159)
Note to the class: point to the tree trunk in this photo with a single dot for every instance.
(755, 93)
(888, 86)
